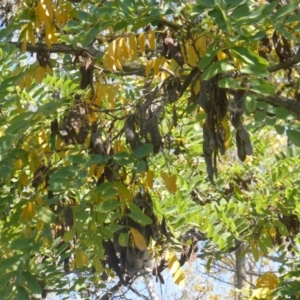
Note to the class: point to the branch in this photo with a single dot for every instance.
(291, 105)
(128, 69)
(111, 291)
(138, 293)
(285, 64)
(59, 48)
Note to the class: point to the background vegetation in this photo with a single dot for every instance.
(139, 139)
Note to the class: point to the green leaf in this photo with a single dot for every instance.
(294, 136)
(282, 113)
(281, 228)
(143, 151)
(120, 25)
(250, 102)
(141, 166)
(208, 57)
(218, 17)
(142, 23)
(259, 116)
(293, 18)
(285, 10)
(279, 129)
(123, 239)
(255, 70)
(240, 12)
(69, 235)
(207, 3)
(4, 279)
(270, 121)
(137, 215)
(22, 293)
(262, 87)
(248, 57)
(221, 66)
(235, 3)
(268, 9)
(45, 214)
(9, 262)
(231, 83)
(32, 283)
(108, 205)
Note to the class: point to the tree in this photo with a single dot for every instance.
(136, 137)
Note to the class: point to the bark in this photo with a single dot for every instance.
(240, 270)
(150, 287)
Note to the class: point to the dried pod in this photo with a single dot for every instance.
(240, 147)
(174, 50)
(86, 70)
(68, 213)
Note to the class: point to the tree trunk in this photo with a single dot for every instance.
(240, 271)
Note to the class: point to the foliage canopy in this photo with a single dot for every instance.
(131, 130)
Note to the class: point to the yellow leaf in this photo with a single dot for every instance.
(192, 57)
(87, 140)
(92, 171)
(124, 193)
(150, 176)
(109, 62)
(173, 264)
(142, 41)
(58, 143)
(268, 280)
(24, 44)
(149, 66)
(37, 25)
(97, 264)
(39, 74)
(18, 164)
(30, 35)
(22, 84)
(100, 170)
(221, 55)
(151, 39)
(261, 293)
(23, 179)
(159, 61)
(39, 201)
(272, 232)
(124, 48)
(101, 92)
(138, 239)
(133, 45)
(168, 255)
(43, 13)
(28, 211)
(228, 137)
(170, 182)
(50, 35)
(197, 87)
(59, 18)
(27, 230)
(164, 75)
(111, 94)
(111, 50)
(69, 235)
(119, 56)
(200, 45)
(49, 8)
(81, 258)
(180, 281)
(237, 63)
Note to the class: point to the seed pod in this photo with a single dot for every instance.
(240, 148)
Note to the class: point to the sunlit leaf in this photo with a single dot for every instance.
(138, 239)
